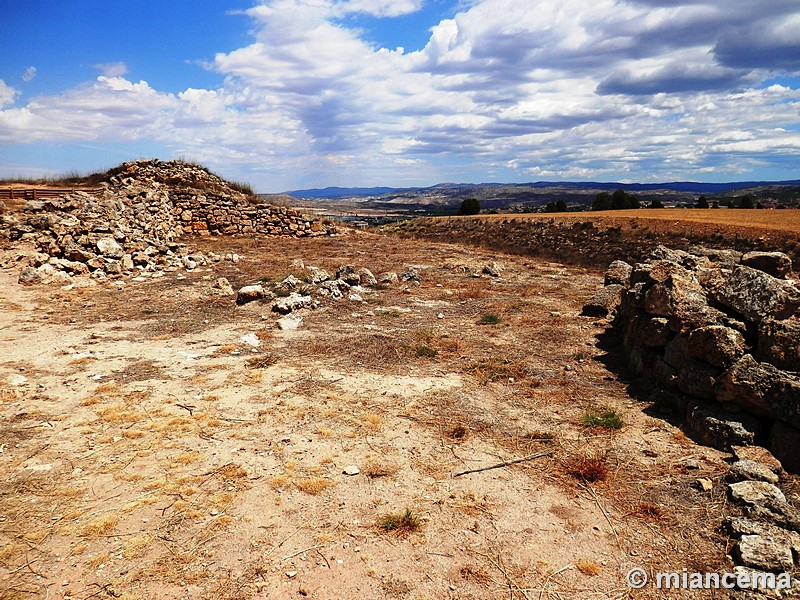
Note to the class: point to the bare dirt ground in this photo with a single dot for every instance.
(157, 441)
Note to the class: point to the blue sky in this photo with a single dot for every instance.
(291, 94)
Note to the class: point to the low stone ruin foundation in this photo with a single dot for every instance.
(714, 335)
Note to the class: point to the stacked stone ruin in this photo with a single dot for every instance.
(134, 218)
(714, 335)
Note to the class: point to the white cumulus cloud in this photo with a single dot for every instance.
(640, 89)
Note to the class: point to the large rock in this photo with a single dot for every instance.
(776, 264)
(713, 425)
(697, 379)
(717, 345)
(751, 470)
(291, 303)
(784, 442)
(756, 492)
(604, 301)
(317, 275)
(747, 383)
(365, 277)
(779, 343)
(725, 257)
(756, 295)
(251, 293)
(764, 553)
(681, 298)
(783, 400)
(108, 247)
(618, 272)
(348, 274)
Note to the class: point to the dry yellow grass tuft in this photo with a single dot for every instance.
(100, 526)
(313, 485)
(588, 567)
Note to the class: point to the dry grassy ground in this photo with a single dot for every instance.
(151, 452)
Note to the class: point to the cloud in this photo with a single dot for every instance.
(7, 94)
(29, 74)
(551, 88)
(115, 69)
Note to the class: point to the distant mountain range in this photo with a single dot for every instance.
(689, 187)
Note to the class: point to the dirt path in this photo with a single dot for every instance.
(157, 441)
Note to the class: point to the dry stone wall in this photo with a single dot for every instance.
(715, 336)
(133, 220)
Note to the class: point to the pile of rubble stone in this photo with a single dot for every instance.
(302, 290)
(715, 335)
(133, 219)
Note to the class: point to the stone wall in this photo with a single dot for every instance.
(212, 213)
(134, 218)
(714, 336)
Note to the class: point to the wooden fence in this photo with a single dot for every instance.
(32, 193)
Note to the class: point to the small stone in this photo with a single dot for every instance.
(291, 574)
(704, 484)
(440, 316)
(289, 322)
(351, 470)
(355, 298)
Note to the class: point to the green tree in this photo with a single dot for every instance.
(470, 206)
(656, 203)
(556, 207)
(747, 201)
(701, 202)
(602, 201)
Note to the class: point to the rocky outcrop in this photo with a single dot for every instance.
(716, 337)
(133, 220)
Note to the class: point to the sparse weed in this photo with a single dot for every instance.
(608, 419)
(490, 319)
(401, 523)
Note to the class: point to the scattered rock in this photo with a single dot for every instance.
(292, 303)
(317, 275)
(351, 470)
(366, 278)
(290, 322)
(251, 293)
(758, 454)
(224, 287)
(410, 274)
(705, 485)
(492, 269)
(348, 274)
(388, 278)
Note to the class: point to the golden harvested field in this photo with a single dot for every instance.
(596, 238)
(777, 220)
